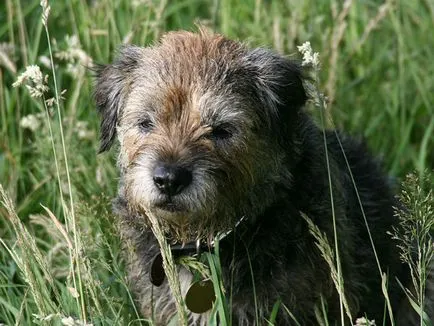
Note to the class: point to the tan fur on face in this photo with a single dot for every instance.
(177, 126)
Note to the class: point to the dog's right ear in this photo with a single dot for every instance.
(111, 90)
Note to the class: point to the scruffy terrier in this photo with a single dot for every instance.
(214, 140)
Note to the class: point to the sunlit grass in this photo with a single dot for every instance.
(377, 68)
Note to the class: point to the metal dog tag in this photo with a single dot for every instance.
(156, 273)
(200, 296)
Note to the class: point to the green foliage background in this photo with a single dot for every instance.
(377, 69)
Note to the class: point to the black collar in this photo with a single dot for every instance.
(157, 273)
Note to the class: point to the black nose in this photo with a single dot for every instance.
(171, 179)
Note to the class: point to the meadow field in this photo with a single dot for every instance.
(60, 256)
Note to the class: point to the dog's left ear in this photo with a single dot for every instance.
(111, 91)
(279, 84)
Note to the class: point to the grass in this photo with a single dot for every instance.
(60, 256)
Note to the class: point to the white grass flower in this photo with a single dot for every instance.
(45, 61)
(50, 102)
(30, 122)
(312, 63)
(44, 318)
(305, 47)
(32, 72)
(309, 57)
(74, 69)
(99, 175)
(37, 91)
(69, 321)
(45, 11)
(364, 322)
(73, 292)
(7, 57)
(138, 3)
(83, 131)
(76, 57)
(36, 82)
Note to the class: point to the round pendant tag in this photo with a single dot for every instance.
(157, 274)
(200, 296)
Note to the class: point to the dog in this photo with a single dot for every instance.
(214, 139)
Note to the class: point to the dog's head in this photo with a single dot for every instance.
(202, 122)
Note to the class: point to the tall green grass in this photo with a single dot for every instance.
(377, 67)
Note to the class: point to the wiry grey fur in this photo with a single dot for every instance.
(169, 103)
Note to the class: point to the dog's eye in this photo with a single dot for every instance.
(221, 133)
(146, 125)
